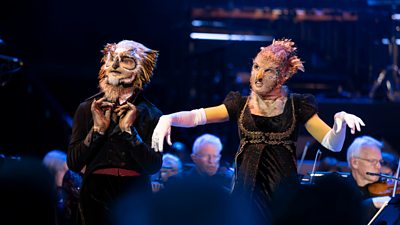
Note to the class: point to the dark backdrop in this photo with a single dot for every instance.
(59, 43)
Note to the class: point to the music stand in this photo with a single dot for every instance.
(388, 214)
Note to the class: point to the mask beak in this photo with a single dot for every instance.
(259, 75)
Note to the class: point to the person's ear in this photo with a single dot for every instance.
(193, 157)
(354, 163)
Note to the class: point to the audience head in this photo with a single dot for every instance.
(56, 162)
(329, 164)
(171, 166)
(179, 149)
(364, 155)
(28, 192)
(206, 153)
(331, 200)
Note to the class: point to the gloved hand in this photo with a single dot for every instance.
(178, 119)
(342, 118)
(334, 139)
(162, 130)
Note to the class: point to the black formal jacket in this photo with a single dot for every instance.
(366, 198)
(115, 149)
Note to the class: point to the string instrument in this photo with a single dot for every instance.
(379, 190)
(382, 188)
(385, 188)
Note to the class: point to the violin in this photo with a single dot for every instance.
(382, 188)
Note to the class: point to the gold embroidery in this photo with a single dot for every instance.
(263, 137)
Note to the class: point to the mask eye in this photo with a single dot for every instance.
(256, 67)
(128, 63)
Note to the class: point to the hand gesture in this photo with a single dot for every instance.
(162, 130)
(156, 186)
(343, 118)
(101, 111)
(127, 114)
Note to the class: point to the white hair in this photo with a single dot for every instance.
(169, 159)
(206, 139)
(355, 147)
(55, 160)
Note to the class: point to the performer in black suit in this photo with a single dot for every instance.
(112, 131)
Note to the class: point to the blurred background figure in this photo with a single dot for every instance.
(67, 185)
(200, 195)
(329, 164)
(329, 201)
(206, 155)
(179, 149)
(389, 164)
(171, 166)
(56, 162)
(71, 187)
(28, 194)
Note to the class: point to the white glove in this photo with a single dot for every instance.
(334, 139)
(342, 118)
(179, 119)
(162, 130)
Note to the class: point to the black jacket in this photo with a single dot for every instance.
(115, 149)
(366, 198)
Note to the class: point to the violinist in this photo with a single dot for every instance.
(364, 155)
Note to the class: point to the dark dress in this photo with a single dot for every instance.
(267, 152)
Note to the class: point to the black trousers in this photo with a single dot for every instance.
(113, 200)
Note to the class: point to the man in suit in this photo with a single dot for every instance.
(112, 131)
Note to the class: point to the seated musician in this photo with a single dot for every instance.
(364, 155)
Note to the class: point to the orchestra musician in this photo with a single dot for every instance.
(364, 155)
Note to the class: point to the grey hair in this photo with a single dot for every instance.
(170, 159)
(55, 160)
(206, 139)
(358, 143)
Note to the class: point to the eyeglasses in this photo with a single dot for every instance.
(124, 61)
(213, 157)
(372, 161)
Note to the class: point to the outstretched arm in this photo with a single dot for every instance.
(333, 138)
(186, 119)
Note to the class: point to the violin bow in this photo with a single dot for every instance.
(396, 180)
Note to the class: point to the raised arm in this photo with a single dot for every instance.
(333, 138)
(186, 119)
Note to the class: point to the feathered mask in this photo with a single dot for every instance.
(283, 53)
(132, 56)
